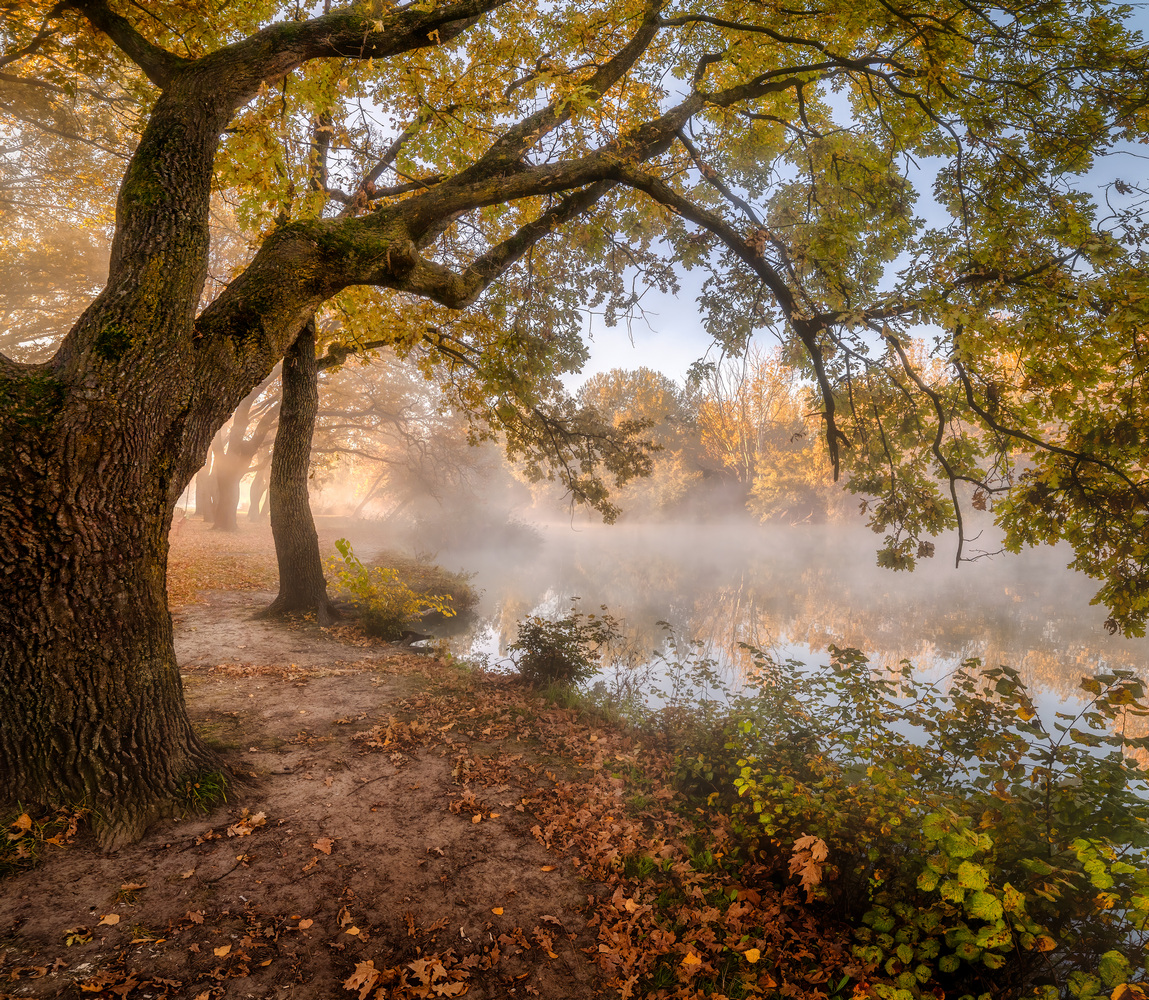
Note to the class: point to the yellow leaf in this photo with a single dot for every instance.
(110, 919)
(222, 950)
(497, 911)
(752, 955)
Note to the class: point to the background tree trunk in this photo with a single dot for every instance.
(257, 495)
(227, 474)
(302, 587)
(204, 504)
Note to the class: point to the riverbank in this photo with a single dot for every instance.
(395, 825)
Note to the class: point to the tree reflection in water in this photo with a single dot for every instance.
(794, 591)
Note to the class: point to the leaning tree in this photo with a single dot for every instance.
(777, 148)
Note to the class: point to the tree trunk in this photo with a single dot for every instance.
(204, 505)
(256, 508)
(91, 702)
(227, 475)
(302, 587)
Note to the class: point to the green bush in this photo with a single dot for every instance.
(976, 850)
(424, 576)
(568, 650)
(972, 847)
(387, 606)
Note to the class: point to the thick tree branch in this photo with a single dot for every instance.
(159, 65)
(351, 32)
(459, 290)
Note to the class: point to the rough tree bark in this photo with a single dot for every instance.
(302, 588)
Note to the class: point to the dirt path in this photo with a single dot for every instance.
(356, 851)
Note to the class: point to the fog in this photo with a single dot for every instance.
(791, 590)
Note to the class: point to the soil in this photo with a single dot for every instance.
(352, 849)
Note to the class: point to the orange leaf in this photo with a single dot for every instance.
(691, 959)
(304, 924)
(222, 950)
(497, 911)
(110, 919)
(752, 955)
(362, 979)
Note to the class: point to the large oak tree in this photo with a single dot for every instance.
(777, 147)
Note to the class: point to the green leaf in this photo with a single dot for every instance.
(983, 906)
(935, 826)
(1013, 900)
(961, 845)
(1114, 968)
(928, 880)
(971, 875)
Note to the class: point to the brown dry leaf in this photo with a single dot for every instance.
(311, 864)
(21, 825)
(195, 916)
(133, 886)
(324, 844)
(304, 924)
(363, 978)
(246, 823)
(111, 919)
(806, 862)
(344, 917)
(222, 950)
(188, 874)
(476, 818)
(203, 996)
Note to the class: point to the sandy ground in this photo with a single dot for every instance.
(356, 851)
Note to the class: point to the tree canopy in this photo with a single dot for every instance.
(424, 151)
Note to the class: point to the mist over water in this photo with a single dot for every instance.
(793, 591)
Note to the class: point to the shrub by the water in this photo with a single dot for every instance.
(976, 851)
(387, 606)
(563, 651)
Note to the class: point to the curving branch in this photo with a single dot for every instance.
(159, 65)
